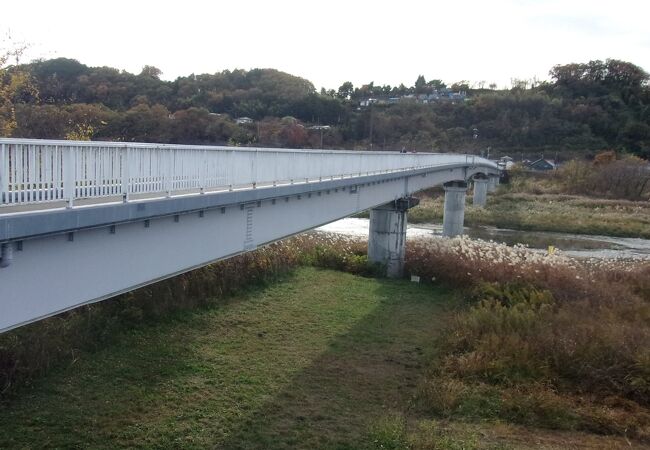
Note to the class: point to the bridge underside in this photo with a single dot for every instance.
(69, 267)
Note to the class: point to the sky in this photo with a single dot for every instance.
(330, 42)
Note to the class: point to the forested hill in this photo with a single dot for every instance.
(584, 108)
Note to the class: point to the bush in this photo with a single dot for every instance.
(546, 340)
(627, 178)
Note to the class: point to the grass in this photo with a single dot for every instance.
(546, 212)
(545, 340)
(282, 367)
(33, 350)
(318, 359)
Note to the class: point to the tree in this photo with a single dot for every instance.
(436, 84)
(345, 90)
(151, 72)
(420, 85)
(459, 86)
(16, 86)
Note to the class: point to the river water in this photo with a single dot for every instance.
(579, 245)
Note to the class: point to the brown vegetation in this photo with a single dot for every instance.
(545, 341)
(626, 178)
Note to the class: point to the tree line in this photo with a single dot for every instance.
(584, 108)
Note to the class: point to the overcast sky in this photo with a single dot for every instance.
(329, 42)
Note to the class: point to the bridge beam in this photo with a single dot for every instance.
(387, 240)
(454, 214)
(480, 191)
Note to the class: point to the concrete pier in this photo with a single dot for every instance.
(480, 192)
(454, 215)
(387, 240)
(493, 181)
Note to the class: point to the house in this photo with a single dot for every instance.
(506, 162)
(368, 102)
(542, 165)
(243, 120)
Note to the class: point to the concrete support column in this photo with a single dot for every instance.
(492, 183)
(387, 240)
(480, 192)
(454, 215)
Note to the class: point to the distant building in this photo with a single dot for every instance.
(542, 165)
(368, 102)
(442, 95)
(506, 161)
(243, 120)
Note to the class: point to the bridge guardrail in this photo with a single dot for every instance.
(41, 171)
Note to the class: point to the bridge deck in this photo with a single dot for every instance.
(81, 222)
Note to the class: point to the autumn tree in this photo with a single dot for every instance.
(16, 87)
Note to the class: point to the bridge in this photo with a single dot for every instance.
(84, 221)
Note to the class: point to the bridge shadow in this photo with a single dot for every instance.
(294, 365)
(365, 373)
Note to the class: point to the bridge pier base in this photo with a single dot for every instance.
(480, 192)
(454, 214)
(387, 240)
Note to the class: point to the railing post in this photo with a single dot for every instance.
(276, 161)
(69, 175)
(231, 169)
(203, 172)
(255, 169)
(126, 165)
(169, 172)
(4, 174)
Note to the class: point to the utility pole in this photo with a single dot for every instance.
(320, 128)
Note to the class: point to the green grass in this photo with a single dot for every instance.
(309, 362)
(547, 212)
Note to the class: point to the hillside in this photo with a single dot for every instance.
(585, 108)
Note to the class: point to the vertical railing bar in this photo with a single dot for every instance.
(125, 174)
(69, 167)
(45, 181)
(12, 174)
(4, 174)
(98, 171)
(168, 173)
(31, 168)
(20, 185)
(39, 173)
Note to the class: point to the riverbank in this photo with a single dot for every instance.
(545, 212)
(282, 366)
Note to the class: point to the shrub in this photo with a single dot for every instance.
(546, 339)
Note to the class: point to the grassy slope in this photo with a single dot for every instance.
(316, 361)
(547, 212)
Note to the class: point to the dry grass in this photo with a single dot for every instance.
(546, 340)
(545, 211)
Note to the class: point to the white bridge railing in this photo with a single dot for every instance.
(39, 171)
